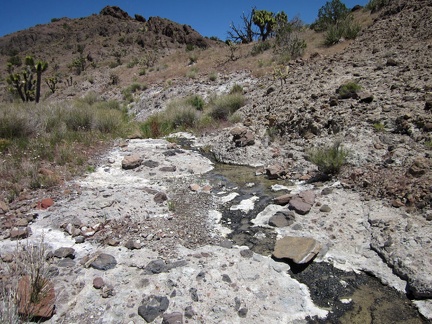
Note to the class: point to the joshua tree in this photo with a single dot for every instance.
(23, 82)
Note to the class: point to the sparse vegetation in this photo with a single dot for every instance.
(379, 127)
(330, 159)
(376, 5)
(348, 90)
(59, 133)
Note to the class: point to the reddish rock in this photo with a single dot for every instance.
(283, 200)
(45, 203)
(194, 187)
(4, 208)
(299, 249)
(98, 283)
(307, 196)
(299, 206)
(43, 307)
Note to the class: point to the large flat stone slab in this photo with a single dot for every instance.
(299, 249)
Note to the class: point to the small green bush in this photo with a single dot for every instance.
(195, 101)
(379, 127)
(213, 76)
(236, 88)
(260, 47)
(222, 107)
(329, 160)
(348, 90)
(376, 5)
(347, 28)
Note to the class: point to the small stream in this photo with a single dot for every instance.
(350, 297)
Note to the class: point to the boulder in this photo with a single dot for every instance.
(104, 262)
(131, 162)
(299, 249)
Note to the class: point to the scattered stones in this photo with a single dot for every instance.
(302, 203)
(242, 136)
(299, 249)
(131, 162)
(419, 167)
(104, 262)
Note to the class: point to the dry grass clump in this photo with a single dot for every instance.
(46, 136)
(30, 265)
(192, 113)
(330, 159)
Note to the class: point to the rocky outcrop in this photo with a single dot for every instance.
(115, 12)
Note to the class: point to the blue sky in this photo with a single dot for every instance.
(209, 18)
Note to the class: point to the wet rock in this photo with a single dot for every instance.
(153, 306)
(65, 252)
(43, 309)
(172, 318)
(131, 162)
(98, 283)
(282, 218)
(104, 262)
(298, 249)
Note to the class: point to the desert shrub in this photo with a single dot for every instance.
(330, 14)
(192, 73)
(236, 88)
(14, 125)
(348, 90)
(107, 120)
(156, 126)
(347, 28)
(213, 76)
(195, 101)
(260, 47)
(379, 127)
(79, 118)
(223, 106)
(330, 159)
(376, 5)
(183, 118)
(193, 58)
(90, 98)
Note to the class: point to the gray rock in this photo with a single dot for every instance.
(104, 262)
(172, 318)
(131, 162)
(246, 253)
(299, 249)
(325, 209)
(65, 252)
(171, 168)
(160, 197)
(151, 164)
(189, 312)
(242, 312)
(194, 294)
(155, 267)
(98, 283)
(153, 307)
(282, 218)
(133, 245)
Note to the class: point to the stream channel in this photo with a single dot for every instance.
(350, 297)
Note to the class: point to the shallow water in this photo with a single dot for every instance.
(351, 297)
